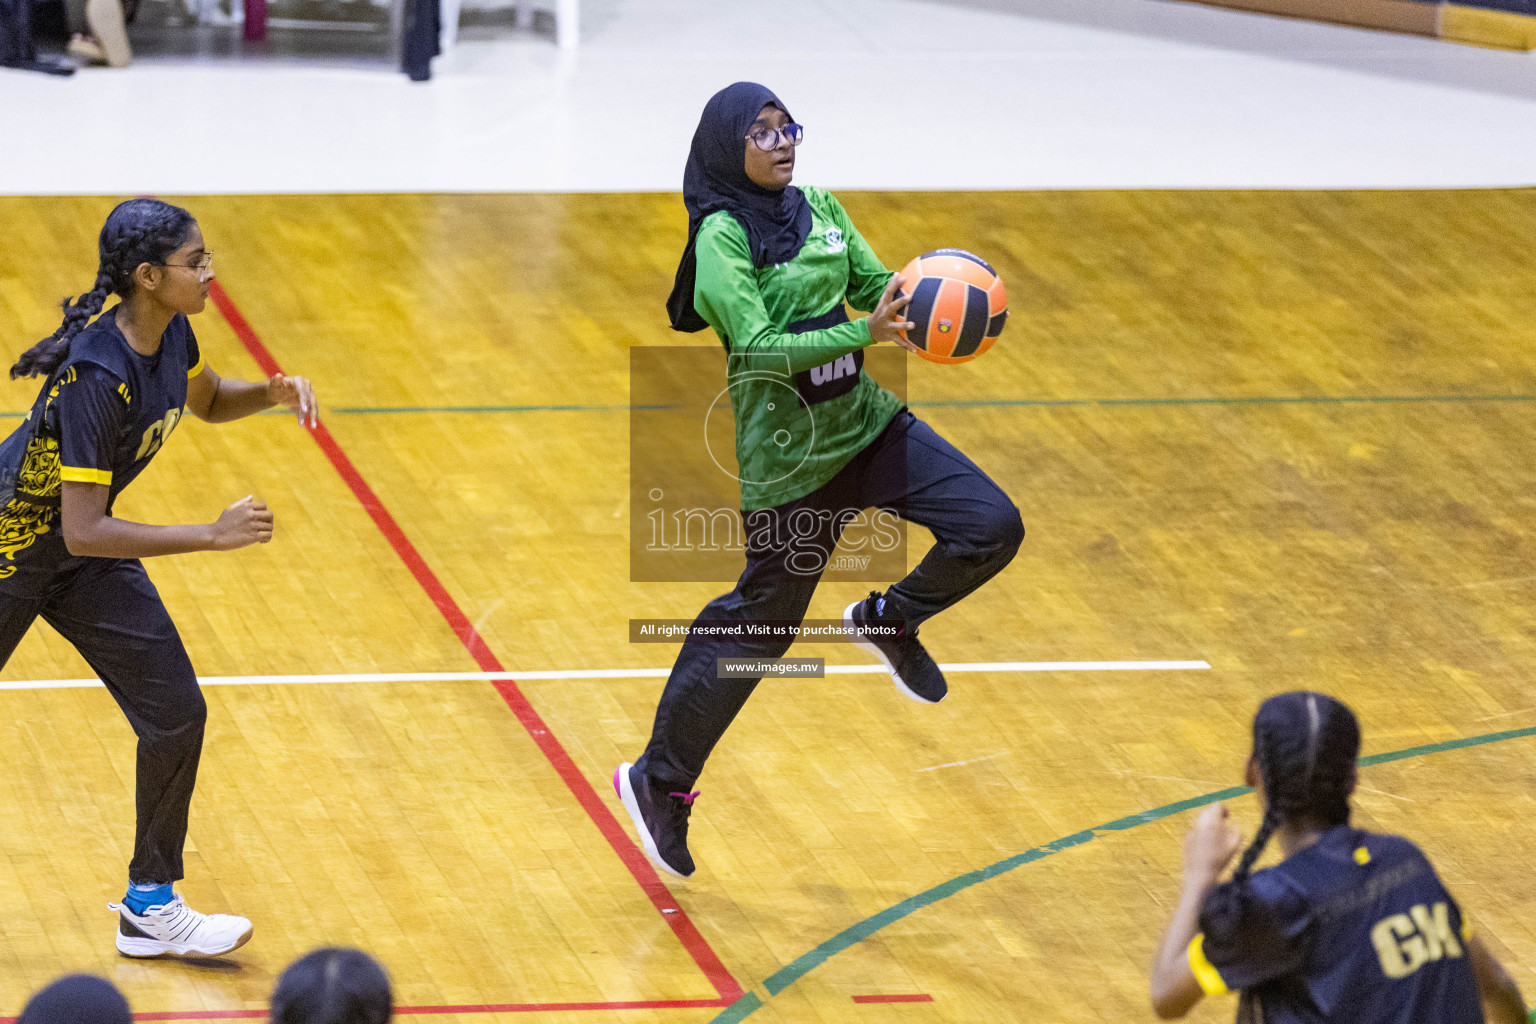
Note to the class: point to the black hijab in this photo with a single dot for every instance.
(77, 999)
(777, 221)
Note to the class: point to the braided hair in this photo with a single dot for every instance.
(333, 986)
(137, 231)
(1304, 745)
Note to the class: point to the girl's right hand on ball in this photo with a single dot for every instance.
(890, 316)
(248, 521)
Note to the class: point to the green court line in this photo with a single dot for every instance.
(1256, 400)
(979, 403)
(1437, 748)
(848, 937)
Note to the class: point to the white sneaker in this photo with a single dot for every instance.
(175, 929)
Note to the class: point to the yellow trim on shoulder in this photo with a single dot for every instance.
(83, 475)
(1208, 977)
(1500, 30)
(202, 364)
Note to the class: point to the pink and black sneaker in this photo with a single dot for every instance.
(660, 818)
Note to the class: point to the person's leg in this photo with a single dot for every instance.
(105, 18)
(697, 706)
(975, 526)
(74, 16)
(16, 617)
(914, 472)
(111, 612)
(113, 615)
(83, 45)
(787, 549)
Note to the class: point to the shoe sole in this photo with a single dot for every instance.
(626, 791)
(873, 648)
(154, 949)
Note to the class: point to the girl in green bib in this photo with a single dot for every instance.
(768, 267)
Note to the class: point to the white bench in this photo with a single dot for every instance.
(567, 20)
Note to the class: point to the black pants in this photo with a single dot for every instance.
(111, 612)
(907, 469)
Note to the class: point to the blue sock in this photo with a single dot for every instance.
(143, 895)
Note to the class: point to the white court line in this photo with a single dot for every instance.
(957, 764)
(619, 673)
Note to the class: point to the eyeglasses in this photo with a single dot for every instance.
(768, 138)
(203, 266)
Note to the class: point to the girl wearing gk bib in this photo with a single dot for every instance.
(113, 393)
(1350, 927)
(768, 267)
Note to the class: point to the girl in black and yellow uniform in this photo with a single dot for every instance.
(1351, 927)
(113, 394)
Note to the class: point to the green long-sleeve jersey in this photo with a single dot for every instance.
(804, 406)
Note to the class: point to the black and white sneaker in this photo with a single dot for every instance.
(913, 671)
(175, 929)
(660, 818)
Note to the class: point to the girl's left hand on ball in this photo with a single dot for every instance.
(297, 394)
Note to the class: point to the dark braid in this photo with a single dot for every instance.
(1304, 745)
(137, 231)
(1271, 820)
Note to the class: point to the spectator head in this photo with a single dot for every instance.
(77, 999)
(333, 986)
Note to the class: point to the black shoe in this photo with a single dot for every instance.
(660, 818)
(914, 671)
(45, 63)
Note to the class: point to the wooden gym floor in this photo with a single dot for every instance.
(1288, 434)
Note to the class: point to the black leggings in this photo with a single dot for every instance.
(907, 469)
(111, 612)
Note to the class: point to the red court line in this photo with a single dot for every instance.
(641, 1004)
(652, 1004)
(920, 997)
(703, 955)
